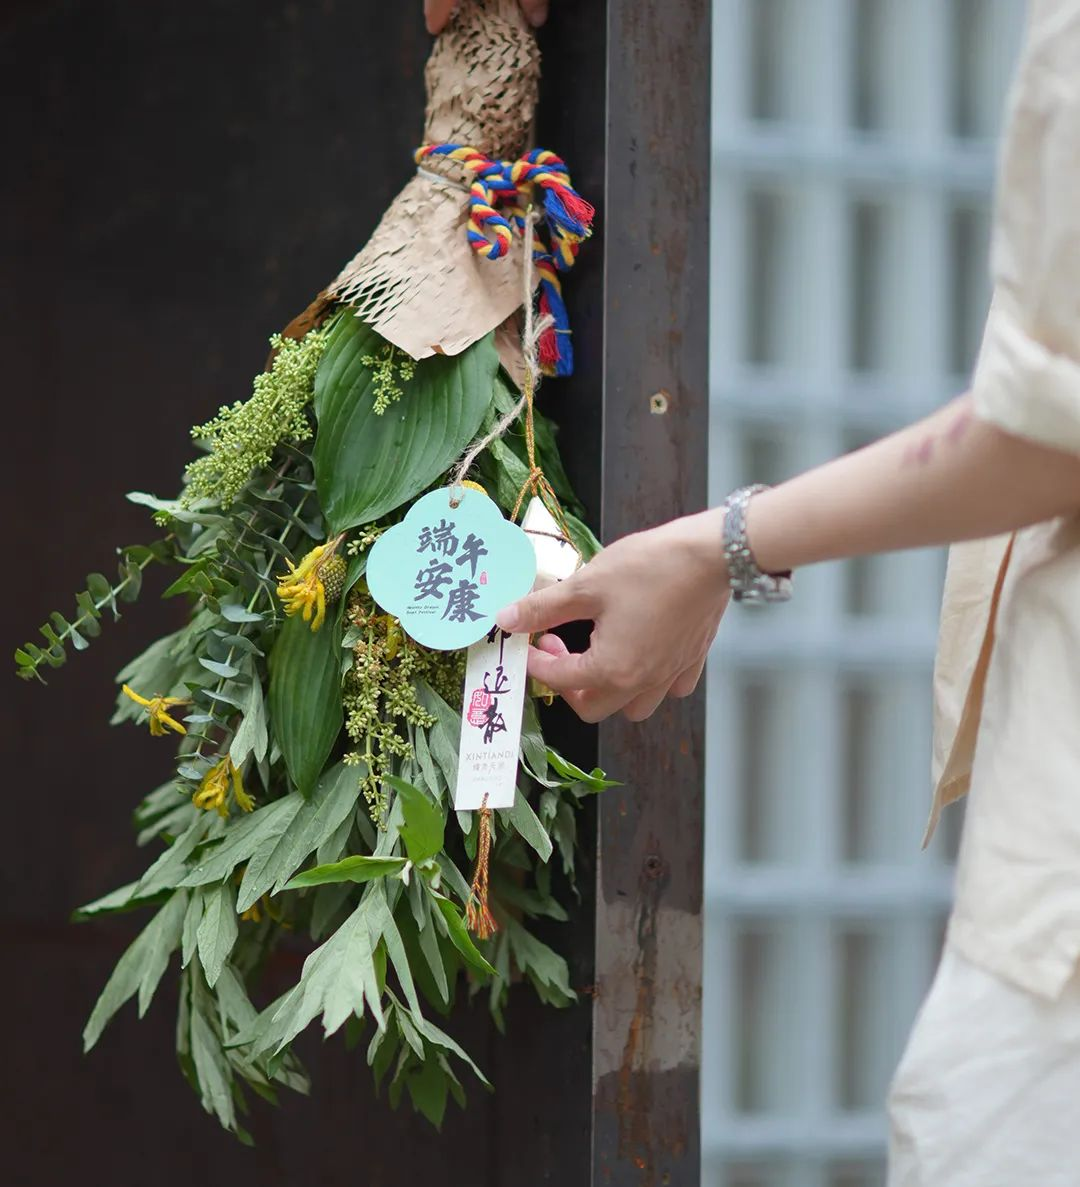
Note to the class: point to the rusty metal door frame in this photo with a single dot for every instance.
(647, 1011)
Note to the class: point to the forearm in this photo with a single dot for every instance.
(950, 477)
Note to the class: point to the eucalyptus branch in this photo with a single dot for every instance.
(197, 755)
(100, 592)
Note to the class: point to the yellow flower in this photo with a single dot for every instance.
(302, 589)
(213, 793)
(157, 708)
(254, 913)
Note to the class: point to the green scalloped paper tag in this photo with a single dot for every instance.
(449, 567)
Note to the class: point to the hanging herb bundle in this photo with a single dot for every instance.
(316, 742)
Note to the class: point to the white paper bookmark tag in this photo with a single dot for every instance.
(495, 678)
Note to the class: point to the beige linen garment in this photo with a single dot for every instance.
(1007, 678)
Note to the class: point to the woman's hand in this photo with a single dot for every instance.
(655, 598)
(438, 12)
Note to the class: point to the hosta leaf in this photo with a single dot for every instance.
(305, 697)
(367, 465)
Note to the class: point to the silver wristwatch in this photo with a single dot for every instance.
(748, 583)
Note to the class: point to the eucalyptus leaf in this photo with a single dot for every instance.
(305, 697)
(233, 612)
(367, 464)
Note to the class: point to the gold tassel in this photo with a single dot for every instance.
(477, 913)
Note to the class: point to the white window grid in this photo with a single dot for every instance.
(853, 163)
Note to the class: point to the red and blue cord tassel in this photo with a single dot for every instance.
(542, 178)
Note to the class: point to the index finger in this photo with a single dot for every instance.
(570, 671)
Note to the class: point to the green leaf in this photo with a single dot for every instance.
(140, 968)
(280, 855)
(337, 979)
(218, 930)
(594, 780)
(434, 1035)
(305, 697)
(211, 1066)
(444, 735)
(242, 840)
(189, 934)
(100, 587)
(428, 1089)
(157, 671)
(225, 671)
(251, 736)
(171, 867)
(533, 748)
(582, 538)
(460, 938)
(544, 967)
(350, 869)
(366, 465)
(382, 924)
(423, 827)
(527, 824)
(117, 902)
(357, 568)
(233, 612)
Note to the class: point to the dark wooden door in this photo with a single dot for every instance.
(178, 181)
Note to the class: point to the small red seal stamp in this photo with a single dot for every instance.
(479, 703)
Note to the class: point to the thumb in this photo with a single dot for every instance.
(547, 608)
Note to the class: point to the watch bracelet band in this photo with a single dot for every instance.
(748, 582)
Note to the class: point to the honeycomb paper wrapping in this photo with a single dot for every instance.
(418, 282)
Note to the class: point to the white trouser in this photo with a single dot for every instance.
(988, 1091)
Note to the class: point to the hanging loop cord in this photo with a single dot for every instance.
(500, 195)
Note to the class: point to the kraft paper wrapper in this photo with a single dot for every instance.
(418, 283)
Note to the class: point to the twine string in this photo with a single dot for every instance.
(478, 914)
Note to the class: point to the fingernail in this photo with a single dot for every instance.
(509, 618)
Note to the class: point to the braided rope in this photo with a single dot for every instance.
(500, 196)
